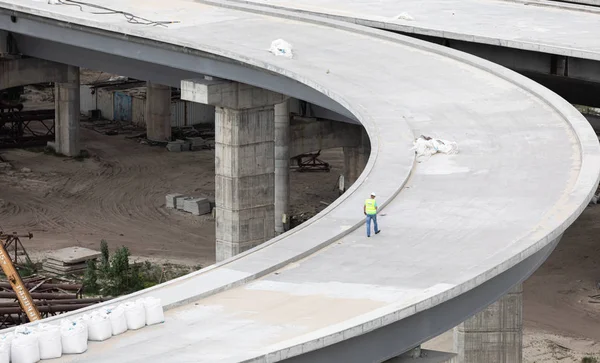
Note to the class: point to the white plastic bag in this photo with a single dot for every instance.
(135, 314)
(5, 352)
(99, 327)
(282, 48)
(25, 346)
(49, 341)
(118, 322)
(154, 311)
(73, 336)
(404, 16)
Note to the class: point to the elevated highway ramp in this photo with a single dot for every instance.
(458, 231)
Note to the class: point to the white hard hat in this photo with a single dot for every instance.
(373, 194)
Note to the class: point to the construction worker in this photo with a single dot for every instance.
(370, 210)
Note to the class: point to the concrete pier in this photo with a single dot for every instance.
(66, 123)
(419, 355)
(495, 335)
(158, 112)
(282, 165)
(355, 159)
(244, 161)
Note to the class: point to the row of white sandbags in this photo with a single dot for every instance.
(46, 341)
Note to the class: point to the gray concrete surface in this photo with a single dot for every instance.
(455, 227)
(158, 112)
(19, 72)
(282, 165)
(541, 26)
(67, 114)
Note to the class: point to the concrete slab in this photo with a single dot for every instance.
(197, 206)
(171, 200)
(180, 202)
(175, 146)
(73, 255)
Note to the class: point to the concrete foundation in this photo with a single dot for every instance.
(158, 112)
(244, 161)
(355, 160)
(495, 335)
(66, 124)
(282, 166)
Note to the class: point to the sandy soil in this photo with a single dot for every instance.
(119, 195)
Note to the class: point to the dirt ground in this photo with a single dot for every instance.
(119, 195)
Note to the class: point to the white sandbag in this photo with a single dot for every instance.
(50, 342)
(282, 48)
(118, 322)
(6, 340)
(154, 311)
(135, 314)
(99, 327)
(25, 346)
(73, 336)
(5, 352)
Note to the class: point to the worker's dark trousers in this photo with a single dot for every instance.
(372, 217)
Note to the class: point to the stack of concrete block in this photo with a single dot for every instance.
(172, 200)
(195, 205)
(179, 145)
(197, 142)
(70, 260)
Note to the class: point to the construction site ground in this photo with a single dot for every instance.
(118, 194)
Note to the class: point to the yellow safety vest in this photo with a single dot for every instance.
(370, 206)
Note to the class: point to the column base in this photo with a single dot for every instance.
(495, 335)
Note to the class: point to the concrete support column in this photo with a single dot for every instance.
(3, 43)
(419, 355)
(158, 112)
(355, 160)
(245, 179)
(282, 166)
(67, 114)
(495, 335)
(244, 161)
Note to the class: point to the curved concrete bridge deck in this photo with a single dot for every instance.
(457, 231)
(539, 25)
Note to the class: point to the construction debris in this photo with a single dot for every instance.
(70, 260)
(310, 162)
(426, 146)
